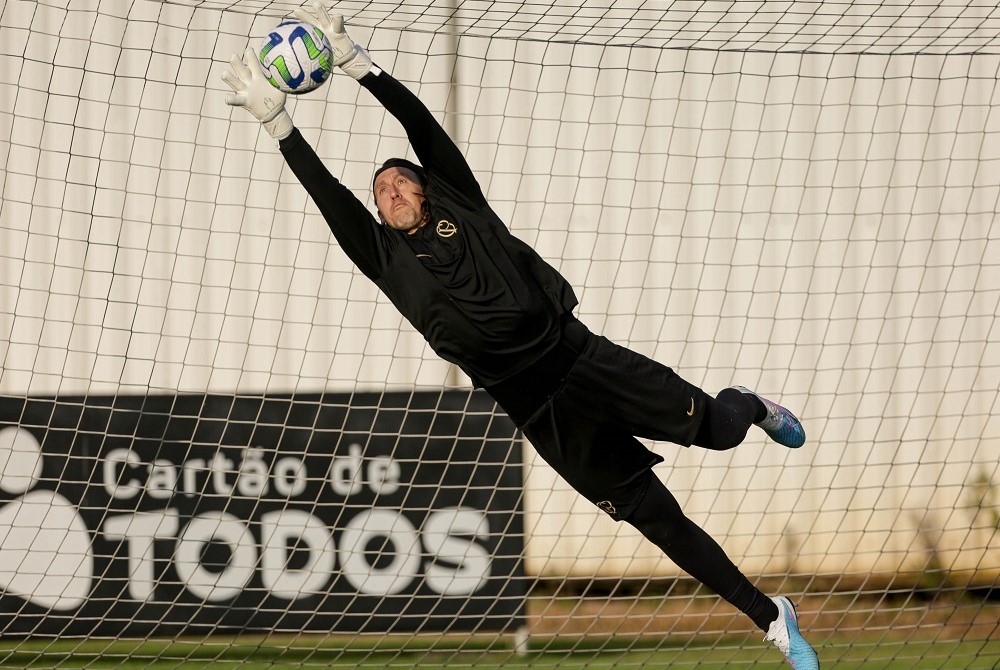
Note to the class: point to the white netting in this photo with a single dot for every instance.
(799, 197)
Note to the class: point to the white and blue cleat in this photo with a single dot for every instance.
(784, 633)
(780, 424)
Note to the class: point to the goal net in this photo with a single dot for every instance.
(220, 444)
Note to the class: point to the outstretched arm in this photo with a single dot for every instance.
(361, 237)
(359, 234)
(436, 151)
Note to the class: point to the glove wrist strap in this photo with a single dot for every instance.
(357, 65)
(280, 126)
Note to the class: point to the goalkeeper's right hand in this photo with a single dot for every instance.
(348, 56)
(254, 93)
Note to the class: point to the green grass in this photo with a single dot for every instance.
(564, 654)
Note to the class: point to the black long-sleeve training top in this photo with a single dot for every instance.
(483, 299)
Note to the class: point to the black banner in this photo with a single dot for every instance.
(192, 514)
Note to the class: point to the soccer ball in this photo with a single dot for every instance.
(296, 57)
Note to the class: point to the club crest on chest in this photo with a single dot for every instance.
(445, 228)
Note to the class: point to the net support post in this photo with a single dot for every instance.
(522, 638)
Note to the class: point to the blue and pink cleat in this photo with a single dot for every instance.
(780, 424)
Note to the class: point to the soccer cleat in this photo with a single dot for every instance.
(780, 425)
(784, 633)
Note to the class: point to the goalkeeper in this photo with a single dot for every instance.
(487, 302)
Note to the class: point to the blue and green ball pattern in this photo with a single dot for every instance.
(296, 57)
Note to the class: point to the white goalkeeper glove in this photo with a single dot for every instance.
(348, 56)
(254, 93)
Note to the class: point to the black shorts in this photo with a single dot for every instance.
(583, 406)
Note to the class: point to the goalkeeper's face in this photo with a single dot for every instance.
(400, 199)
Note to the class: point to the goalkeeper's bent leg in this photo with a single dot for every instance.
(726, 420)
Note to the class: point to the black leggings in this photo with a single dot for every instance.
(660, 519)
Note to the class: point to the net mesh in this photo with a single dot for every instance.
(796, 197)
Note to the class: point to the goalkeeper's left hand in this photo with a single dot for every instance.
(347, 55)
(254, 93)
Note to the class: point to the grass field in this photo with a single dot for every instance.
(843, 654)
(952, 631)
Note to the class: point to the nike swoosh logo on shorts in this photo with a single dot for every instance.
(690, 412)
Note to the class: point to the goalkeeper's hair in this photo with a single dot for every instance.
(402, 163)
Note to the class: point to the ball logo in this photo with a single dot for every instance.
(45, 550)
